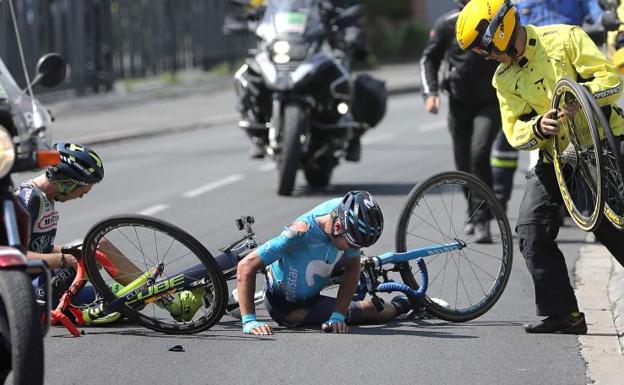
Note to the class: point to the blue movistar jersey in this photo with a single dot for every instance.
(301, 263)
(548, 12)
(43, 217)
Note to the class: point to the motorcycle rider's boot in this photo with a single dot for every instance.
(256, 151)
(354, 150)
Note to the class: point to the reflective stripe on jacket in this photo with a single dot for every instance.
(525, 87)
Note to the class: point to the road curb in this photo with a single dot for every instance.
(105, 138)
(600, 348)
(126, 135)
(616, 297)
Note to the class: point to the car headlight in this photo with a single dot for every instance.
(7, 152)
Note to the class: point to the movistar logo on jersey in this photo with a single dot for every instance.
(291, 284)
(321, 269)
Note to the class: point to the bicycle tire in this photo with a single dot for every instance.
(20, 331)
(436, 197)
(613, 168)
(214, 295)
(577, 159)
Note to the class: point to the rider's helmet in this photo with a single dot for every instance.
(488, 26)
(79, 164)
(361, 218)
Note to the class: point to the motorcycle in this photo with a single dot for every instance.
(24, 145)
(300, 103)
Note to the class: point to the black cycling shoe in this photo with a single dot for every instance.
(567, 324)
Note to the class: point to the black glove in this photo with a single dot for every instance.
(619, 40)
(610, 21)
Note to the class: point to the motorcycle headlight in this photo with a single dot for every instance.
(281, 47)
(7, 152)
(281, 59)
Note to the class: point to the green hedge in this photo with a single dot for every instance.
(393, 35)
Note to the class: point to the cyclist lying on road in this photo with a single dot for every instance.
(300, 261)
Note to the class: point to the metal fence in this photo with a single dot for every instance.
(103, 40)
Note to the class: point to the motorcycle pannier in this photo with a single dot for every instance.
(369, 99)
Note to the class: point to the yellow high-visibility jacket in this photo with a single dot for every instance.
(525, 87)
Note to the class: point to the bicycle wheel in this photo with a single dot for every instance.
(466, 283)
(120, 249)
(577, 156)
(613, 175)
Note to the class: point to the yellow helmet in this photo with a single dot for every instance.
(489, 25)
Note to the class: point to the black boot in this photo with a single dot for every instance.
(354, 150)
(256, 151)
(568, 324)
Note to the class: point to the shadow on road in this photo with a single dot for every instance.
(374, 188)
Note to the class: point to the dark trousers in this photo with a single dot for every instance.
(473, 130)
(537, 228)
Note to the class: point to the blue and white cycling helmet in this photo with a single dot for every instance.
(79, 164)
(361, 218)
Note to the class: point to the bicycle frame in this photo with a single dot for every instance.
(147, 288)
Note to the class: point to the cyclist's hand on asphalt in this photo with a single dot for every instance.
(335, 327)
(432, 104)
(335, 324)
(549, 125)
(257, 328)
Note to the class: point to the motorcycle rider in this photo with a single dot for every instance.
(355, 39)
(474, 117)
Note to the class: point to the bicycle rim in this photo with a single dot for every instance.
(577, 156)
(613, 168)
(133, 245)
(463, 284)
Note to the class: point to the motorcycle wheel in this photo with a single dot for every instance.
(288, 163)
(20, 332)
(319, 175)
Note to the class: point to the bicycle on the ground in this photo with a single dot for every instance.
(173, 284)
(587, 159)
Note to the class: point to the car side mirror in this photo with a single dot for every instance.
(51, 70)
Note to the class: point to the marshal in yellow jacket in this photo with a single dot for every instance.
(525, 87)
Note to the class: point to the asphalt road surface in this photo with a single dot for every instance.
(202, 180)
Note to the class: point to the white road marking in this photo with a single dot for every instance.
(154, 209)
(430, 126)
(376, 138)
(267, 167)
(212, 186)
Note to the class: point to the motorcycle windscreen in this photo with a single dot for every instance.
(289, 19)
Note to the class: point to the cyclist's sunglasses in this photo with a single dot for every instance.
(343, 234)
(483, 46)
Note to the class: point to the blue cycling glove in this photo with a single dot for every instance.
(250, 323)
(334, 318)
